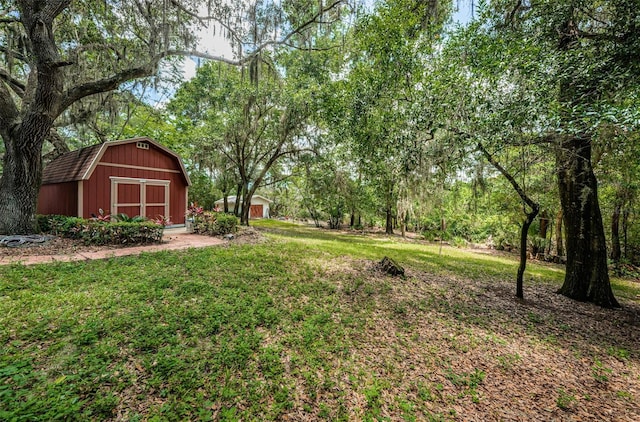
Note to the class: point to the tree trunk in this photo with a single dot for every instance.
(389, 224)
(615, 234)
(523, 251)
(404, 226)
(538, 249)
(527, 201)
(544, 225)
(244, 216)
(226, 203)
(245, 211)
(24, 131)
(353, 219)
(20, 184)
(587, 277)
(236, 206)
(547, 251)
(625, 228)
(559, 241)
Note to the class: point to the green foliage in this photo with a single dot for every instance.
(467, 381)
(565, 400)
(54, 224)
(373, 115)
(214, 223)
(135, 231)
(202, 190)
(124, 218)
(600, 372)
(327, 191)
(120, 233)
(472, 217)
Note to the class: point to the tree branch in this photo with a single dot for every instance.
(53, 9)
(59, 144)
(333, 47)
(273, 182)
(9, 113)
(516, 8)
(17, 86)
(107, 84)
(601, 36)
(302, 27)
(14, 54)
(509, 177)
(203, 55)
(95, 87)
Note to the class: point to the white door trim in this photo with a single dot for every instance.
(142, 183)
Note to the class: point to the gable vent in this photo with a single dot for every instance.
(142, 145)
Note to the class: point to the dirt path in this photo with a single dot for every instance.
(64, 250)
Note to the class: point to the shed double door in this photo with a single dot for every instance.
(255, 211)
(145, 197)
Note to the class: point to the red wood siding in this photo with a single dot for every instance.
(154, 211)
(155, 194)
(60, 198)
(129, 194)
(123, 160)
(97, 190)
(130, 154)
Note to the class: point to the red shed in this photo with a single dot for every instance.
(133, 176)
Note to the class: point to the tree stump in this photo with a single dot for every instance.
(390, 267)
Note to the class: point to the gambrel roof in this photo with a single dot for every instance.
(80, 164)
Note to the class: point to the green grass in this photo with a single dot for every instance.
(242, 332)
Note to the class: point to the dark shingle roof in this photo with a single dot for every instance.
(70, 166)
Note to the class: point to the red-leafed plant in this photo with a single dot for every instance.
(163, 221)
(194, 210)
(101, 216)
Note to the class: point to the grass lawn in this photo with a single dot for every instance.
(303, 327)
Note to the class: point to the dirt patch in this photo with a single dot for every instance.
(248, 236)
(468, 349)
(54, 245)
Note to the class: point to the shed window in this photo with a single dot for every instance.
(142, 145)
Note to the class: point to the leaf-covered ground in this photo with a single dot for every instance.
(303, 327)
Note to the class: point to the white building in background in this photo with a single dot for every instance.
(259, 205)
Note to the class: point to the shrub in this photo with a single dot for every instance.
(123, 217)
(459, 242)
(58, 224)
(50, 223)
(94, 232)
(227, 223)
(121, 233)
(215, 223)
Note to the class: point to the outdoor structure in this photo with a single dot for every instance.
(132, 176)
(259, 205)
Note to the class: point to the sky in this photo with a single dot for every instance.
(210, 43)
(464, 11)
